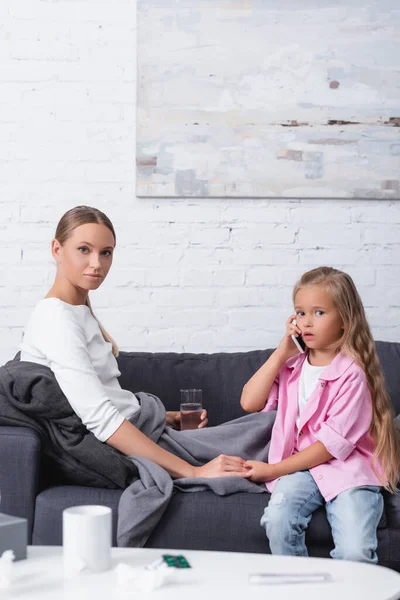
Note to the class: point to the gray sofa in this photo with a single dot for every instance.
(30, 488)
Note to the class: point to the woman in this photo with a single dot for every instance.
(64, 335)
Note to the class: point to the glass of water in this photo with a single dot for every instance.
(191, 408)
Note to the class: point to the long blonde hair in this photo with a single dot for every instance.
(357, 342)
(82, 215)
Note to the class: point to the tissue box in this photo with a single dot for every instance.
(13, 535)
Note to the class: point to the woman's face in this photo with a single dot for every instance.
(86, 256)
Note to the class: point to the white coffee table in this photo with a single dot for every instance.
(214, 574)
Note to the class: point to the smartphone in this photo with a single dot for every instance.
(299, 342)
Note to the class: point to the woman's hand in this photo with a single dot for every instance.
(223, 466)
(173, 419)
(287, 347)
(259, 471)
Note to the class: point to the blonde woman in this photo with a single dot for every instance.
(64, 335)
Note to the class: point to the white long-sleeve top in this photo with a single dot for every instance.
(67, 338)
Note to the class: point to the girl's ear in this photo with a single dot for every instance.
(55, 250)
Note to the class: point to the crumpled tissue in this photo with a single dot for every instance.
(142, 578)
(6, 569)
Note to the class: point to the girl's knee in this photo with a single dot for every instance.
(276, 513)
(294, 481)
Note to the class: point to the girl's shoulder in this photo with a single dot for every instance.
(347, 368)
(293, 363)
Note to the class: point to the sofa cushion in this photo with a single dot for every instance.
(201, 520)
(204, 521)
(51, 502)
(221, 376)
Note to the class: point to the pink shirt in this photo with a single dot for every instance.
(338, 414)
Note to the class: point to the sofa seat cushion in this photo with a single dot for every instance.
(47, 529)
(199, 521)
(205, 521)
(193, 520)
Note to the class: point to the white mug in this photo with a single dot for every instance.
(87, 538)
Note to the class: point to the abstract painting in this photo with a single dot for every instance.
(269, 99)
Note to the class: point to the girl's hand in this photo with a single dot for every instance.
(259, 471)
(223, 466)
(173, 419)
(287, 347)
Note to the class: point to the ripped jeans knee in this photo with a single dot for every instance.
(277, 499)
(275, 513)
(289, 511)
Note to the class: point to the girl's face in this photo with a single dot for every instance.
(86, 257)
(317, 317)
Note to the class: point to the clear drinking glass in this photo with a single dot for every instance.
(191, 408)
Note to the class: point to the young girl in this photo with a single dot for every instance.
(64, 335)
(333, 442)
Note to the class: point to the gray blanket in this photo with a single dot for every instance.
(31, 397)
(143, 503)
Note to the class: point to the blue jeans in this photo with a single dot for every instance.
(353, 516)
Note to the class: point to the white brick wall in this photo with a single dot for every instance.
(196, 275)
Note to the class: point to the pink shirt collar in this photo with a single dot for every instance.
(338, 366)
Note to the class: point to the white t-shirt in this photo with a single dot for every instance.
(68, 339)
(308, 382)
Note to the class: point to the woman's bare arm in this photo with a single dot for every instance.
(132, 442)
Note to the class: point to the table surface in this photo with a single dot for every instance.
(41, 576)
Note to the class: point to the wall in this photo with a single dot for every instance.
(195, 275)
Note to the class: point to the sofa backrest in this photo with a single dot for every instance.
(221, 376)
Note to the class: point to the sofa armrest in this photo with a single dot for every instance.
(19, 472)
(392, 508)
